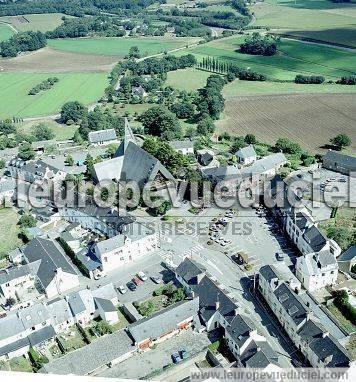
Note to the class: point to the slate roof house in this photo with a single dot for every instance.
(102, 137)
(32, 171)
(218, 310)
(344, 164)
(305, 234)
(131, 163)
(246, 155)
(49, 264)
(163, 324)
(28, 327)
(135, 241)
(309, 336)
(347, 259)
(185, 147)
(14, 278)
(317, 270)
(104, 221)
(107, 350)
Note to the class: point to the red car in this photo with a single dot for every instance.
(136, 280)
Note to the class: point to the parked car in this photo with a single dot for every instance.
(156, 279)
(141, 275)
(131, 285)
(183, 353)
(176, 358)
(136, 281)
(279, 256)
(121, 289)
(236, 259)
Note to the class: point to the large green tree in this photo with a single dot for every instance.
(73, 111)
(26, 151)
(341, 141)
(159, 121)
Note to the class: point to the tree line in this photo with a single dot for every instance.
(302, 79)
(81, 27)
(231, 70)
(76, 8)
(44, 85)
(22, 42)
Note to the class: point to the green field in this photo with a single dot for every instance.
(84, 87)
(241, 88)
(114, 46)
(187, 79)
(9, 231)
(293, 57)
(317, 19)
(43, 22)
(5, 32)
(61, 132)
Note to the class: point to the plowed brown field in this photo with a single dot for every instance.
(308, 119)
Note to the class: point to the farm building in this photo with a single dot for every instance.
(246, 155)
(184, 147)
(102, 137)
(344, 164)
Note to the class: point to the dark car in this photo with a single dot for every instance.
(183, 353)
(236, 259)
(176, 358)
(279, 256)
(131, 285)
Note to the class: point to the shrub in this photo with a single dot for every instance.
(301, 79)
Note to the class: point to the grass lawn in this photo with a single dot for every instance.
(318, 19)
(122, 320)
(61, 132)
(83, 87)
(9, 231)
(241, 88)
(36, 22)
(293, 57)
(187, 79)
(72, 339)
(116, 46)
(345, 323)
(20, 364)
(5, 32)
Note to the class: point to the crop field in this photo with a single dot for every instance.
(293, 57)
(84, 87)
(187, 79)
(44, 22)
(318, 117)
(116, 46)
(47, 60)
(239, 88)
(317, 19)
(5, 32)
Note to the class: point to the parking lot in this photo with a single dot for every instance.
(154, 360)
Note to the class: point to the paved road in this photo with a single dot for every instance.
(236, 282)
